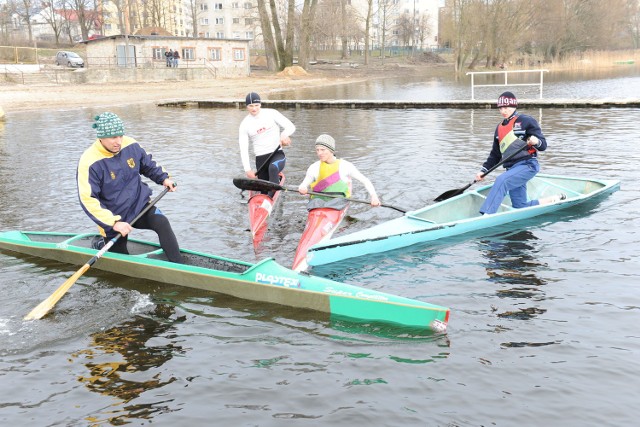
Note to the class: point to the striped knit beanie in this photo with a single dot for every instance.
(327, 141)
(108, 125)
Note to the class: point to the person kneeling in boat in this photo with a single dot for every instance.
(511, 136)
(112, 192)
(332, 175)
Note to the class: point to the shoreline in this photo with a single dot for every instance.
(17, 97)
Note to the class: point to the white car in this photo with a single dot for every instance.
(70, 59)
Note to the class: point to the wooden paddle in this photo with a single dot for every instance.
(262, 185)
(449, 194)
(46, 305)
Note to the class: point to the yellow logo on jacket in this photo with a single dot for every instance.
(113, 175)
(131, 163)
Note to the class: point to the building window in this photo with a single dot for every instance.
(219, 34)
(219, 21)
(238, 54)
(204, 21)
(236, 35)
(236, 20)
(158, 53)
(249, 35)
(235, 5)
(247, 5)
(204, 6)
(217, 6)
(188, 53)
(248, 21)
(215, 54)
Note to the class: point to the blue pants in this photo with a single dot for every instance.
(513, 181)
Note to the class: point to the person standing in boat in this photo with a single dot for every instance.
(111, 190)
(268, 131)
(511, 136)
(332, 175)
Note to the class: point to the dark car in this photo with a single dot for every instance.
(70, 59)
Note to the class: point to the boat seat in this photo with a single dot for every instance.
(458, 209)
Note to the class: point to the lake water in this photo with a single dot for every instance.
(544, 315)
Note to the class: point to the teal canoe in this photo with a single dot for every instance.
(455, 216)
(265, 281)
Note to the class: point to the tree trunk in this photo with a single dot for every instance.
(277, 33)
(306, 23)
(367, 30)
(267, 35)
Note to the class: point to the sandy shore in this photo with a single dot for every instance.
(16, 97)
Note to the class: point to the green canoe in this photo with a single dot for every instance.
(265, 281)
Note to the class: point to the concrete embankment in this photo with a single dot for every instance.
(381, 104)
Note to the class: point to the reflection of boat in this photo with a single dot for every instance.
(320, 226)
(266, 281)
(260, 207)
(454, 216)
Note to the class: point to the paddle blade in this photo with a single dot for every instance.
(451, 193)
(45, 306)
(256, 184)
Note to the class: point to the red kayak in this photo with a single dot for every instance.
(321, 223)
(260, 207)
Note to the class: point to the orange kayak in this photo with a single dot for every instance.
(260, 207)
(320, 226)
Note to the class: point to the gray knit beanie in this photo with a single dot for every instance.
(327, 141)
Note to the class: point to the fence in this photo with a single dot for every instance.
(506, 79)
(18, 55)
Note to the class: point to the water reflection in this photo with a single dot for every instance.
(121, 364)
(512, 264)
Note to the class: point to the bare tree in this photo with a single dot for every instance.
(406, 29)
(633, 12)
(6, 26)
(306, 24)
(193, 13)
(53, 18)
(386, 11)
(367, 31)
(423, 29)
(24, 9)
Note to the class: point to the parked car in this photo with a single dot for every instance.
(70, 59)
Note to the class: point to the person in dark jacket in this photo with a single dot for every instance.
(511, 136)
(176, 58)
(111, 190)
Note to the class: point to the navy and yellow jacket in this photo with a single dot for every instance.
(523, 127)
(109, 185)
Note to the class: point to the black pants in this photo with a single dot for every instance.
(271, 171)
(154, 220)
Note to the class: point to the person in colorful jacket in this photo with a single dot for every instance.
(268, 131)
(511, 136)
(332, 175)
(111, 190)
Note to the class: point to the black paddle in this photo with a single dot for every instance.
(262, 185)
(449, 194)
(46, 305)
